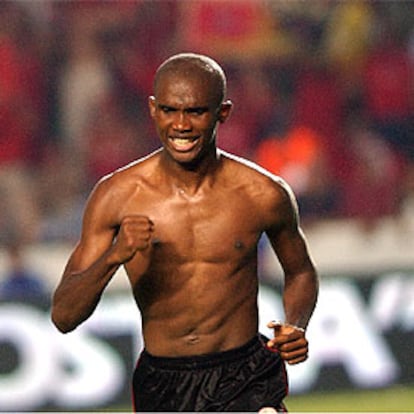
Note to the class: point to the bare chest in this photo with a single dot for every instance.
(201, 229)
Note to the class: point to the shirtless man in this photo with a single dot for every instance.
(185, 222)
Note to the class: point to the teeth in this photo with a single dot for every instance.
(182, 141)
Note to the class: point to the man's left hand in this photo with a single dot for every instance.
(290, 341)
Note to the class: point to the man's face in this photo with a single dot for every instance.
(186, 112)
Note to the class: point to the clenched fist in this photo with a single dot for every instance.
(134, 234)
(290, 341)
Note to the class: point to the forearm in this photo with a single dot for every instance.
(299, 297)
(78, 293)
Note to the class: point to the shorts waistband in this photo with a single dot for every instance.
(206, 360)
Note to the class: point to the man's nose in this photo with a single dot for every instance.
(181, 121)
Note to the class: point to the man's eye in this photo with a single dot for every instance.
(166, 109)
(198, 111)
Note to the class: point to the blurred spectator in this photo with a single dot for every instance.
(21, 120)
(112, 140)
(375, 183)
(234, 31)
(84, 78)
(249, 122)
(318, 103)
(20, 283)
(134, 48)
(62, 194)
(347, 37)
(298, 157)
(388, 87)
(75, 77)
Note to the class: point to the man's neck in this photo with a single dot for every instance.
(188, 179)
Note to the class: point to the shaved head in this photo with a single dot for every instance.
(192, 65)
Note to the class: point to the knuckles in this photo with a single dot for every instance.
(134, 234)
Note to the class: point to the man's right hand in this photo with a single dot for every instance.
(135, 233)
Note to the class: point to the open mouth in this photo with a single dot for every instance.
(183, 144)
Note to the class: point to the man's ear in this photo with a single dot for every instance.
(152, 106)
(225, 110)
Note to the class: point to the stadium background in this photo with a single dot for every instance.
(323, 95)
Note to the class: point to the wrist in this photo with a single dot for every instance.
(297, 327)
(113, 259)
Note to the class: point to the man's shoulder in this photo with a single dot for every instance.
(130, 174)
(116, 187)
(250, 170)
(257, 182)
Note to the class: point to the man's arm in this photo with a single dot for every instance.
(79, 291)
(106, 243)
(300, 280)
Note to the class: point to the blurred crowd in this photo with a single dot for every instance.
(323, 94)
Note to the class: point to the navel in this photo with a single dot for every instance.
(193, 339)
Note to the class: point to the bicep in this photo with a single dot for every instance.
(97, 234)
(286, 236)
(291, 249)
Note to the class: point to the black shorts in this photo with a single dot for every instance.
(243, 379)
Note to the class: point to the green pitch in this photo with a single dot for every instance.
(396, 399)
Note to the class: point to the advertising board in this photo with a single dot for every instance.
(360, 336)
